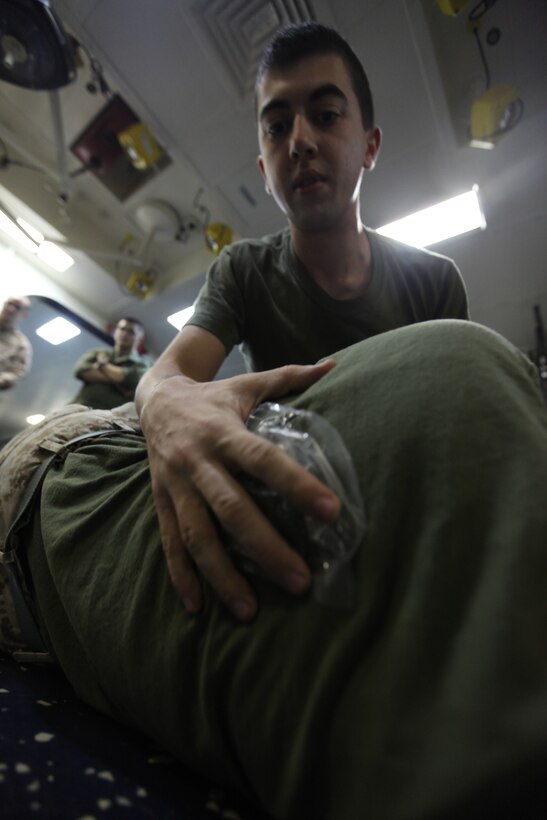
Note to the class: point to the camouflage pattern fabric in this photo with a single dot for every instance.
(18, 461)
(15, 354)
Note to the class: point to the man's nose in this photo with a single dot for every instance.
(302, 141)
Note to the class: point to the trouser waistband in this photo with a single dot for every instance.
(33, 646)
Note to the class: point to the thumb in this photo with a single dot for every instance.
(274, 384)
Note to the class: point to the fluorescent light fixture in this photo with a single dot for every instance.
(58, 330)
(10, 228)
(55, 256)
(180, 318)
(454, 216)
(32, 232)
(35, 419)
(50, 253)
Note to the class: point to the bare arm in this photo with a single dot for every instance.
(198, 442)
(104, 372)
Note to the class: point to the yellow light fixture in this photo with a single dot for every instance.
(452, 7)
(140, 146)
(141, 284)
(493, 114)
(217, 236)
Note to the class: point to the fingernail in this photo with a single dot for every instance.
(243, 610)
(296, 582)
(326, 508)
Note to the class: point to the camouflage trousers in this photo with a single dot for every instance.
(20, 460)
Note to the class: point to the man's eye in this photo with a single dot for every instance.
(276, 129)
(328, 116)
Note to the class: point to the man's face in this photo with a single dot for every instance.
(126, 335)
(313, 146)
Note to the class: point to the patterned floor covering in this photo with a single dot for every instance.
(61, 759)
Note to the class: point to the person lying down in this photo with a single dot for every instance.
(424, 695)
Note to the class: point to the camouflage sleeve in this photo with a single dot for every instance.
(19, 459)
(17, 364)
(24, 359)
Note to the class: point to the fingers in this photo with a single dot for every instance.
(197, 443)
(181, 570)
(253, 534)
(274, 384)
(247, 452)
(190, 540)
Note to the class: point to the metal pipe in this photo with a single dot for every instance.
(14, 142)
(58, 133)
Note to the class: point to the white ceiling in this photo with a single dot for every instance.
(184, 66)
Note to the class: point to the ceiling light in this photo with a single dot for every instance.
(10, 228)
(35, 419)
(180, 318)
(454, 216)
(50, 253)
(58, 330)
(54, 256)
(30, 230)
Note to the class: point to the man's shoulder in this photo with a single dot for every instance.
(95, 350)
(140, 359)
(407, 255)
(132, 358)
(269, 244)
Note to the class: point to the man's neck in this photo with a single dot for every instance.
(339, 261)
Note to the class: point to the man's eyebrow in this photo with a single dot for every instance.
(274, 105)
(326, 90)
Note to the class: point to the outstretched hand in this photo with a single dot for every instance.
(198, 443)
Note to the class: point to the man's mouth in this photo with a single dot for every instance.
(306, 179)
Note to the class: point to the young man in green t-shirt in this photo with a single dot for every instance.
(110, 375)
(317, 137)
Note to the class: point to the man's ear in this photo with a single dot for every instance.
(374, 140)
(260, 162)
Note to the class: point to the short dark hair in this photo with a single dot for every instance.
(298, 40)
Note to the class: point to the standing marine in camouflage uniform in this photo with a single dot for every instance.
(15, 349)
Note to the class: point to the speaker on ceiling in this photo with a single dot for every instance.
(35, 50)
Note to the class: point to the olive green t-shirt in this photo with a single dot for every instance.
(105, 396)
(260, 296)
